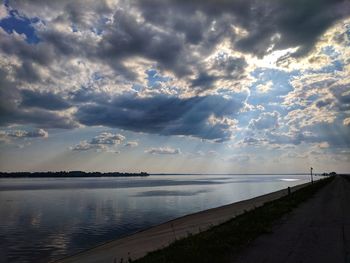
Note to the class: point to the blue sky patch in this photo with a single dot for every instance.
(153, 77)
(21, 25)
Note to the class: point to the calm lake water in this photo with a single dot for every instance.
(48, 218)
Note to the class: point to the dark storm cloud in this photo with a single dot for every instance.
(203, 81)
(45, 100)
(40, 53)
(232, 66)
(199, 21)
(163, 115)
(85, 94)
(27, 72)
(128, 37)
(225, 67)
(298, 23)
(64, 44)
(40, 118)
(12, 113)
(23, 106)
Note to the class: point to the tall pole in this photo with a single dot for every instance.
(312, 179)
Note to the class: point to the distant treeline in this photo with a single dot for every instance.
(69, 174)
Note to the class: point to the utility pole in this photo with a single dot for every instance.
(312, 179)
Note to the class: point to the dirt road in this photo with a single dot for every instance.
(316, 231)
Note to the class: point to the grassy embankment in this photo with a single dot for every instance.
(346, 176)
(221, 243)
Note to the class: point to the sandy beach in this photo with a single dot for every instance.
(139, 244)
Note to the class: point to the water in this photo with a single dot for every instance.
(48, 218)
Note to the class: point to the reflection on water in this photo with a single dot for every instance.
(289, 179)
(171, 193)
(48, 218)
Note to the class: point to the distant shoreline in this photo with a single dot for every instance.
(70, 174)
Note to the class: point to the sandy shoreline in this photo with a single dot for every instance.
(139, 244)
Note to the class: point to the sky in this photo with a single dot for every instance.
(173, 86)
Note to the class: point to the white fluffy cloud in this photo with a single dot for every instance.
(131, 144)
(163, 150)
(85, 146)
(3, 12)
(107, 138)
(23, 134)
(265, 88)
(105, 141)
(346, 122)
(266, 120)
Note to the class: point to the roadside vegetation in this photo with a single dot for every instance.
(223, 242)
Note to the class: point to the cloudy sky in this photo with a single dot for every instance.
(175, 86)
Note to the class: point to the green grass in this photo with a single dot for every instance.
(346, 176)
(221, 243)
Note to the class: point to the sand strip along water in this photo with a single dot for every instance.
(139, 244)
